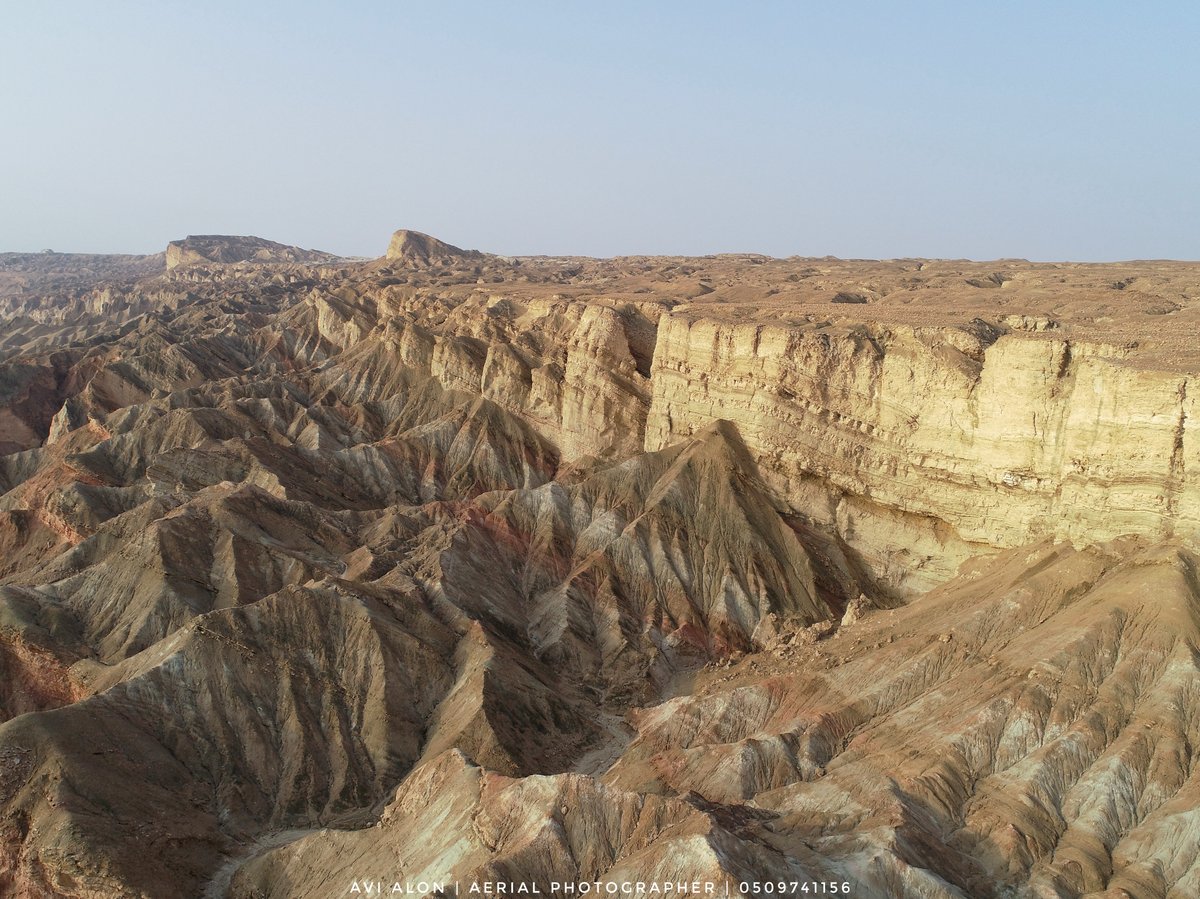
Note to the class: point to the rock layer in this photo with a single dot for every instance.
(1005, 438)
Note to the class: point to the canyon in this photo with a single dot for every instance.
(447, 566)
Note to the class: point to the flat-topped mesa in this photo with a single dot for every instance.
(421, 250)
(227, 249)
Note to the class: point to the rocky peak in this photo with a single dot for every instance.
(417, 249)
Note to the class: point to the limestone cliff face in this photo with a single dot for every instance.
(1010, 437)
(604, 397)
(579, 386)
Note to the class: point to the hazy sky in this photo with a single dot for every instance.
(1045, 130)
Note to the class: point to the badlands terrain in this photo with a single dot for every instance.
(453, 567)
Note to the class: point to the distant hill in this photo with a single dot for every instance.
(420, 250)
(226, 249)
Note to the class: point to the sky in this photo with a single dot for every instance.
(1047, 131)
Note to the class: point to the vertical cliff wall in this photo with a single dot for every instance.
(1009, 436)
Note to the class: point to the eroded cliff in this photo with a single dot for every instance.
(962, 437)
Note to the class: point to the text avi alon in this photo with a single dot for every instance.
(555, 888)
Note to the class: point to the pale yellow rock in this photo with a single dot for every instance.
(604, 397)
(1024, 438)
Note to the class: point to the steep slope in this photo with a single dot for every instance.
(287, 711)
(1046, 745)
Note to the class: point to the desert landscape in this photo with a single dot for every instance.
(448, 567)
